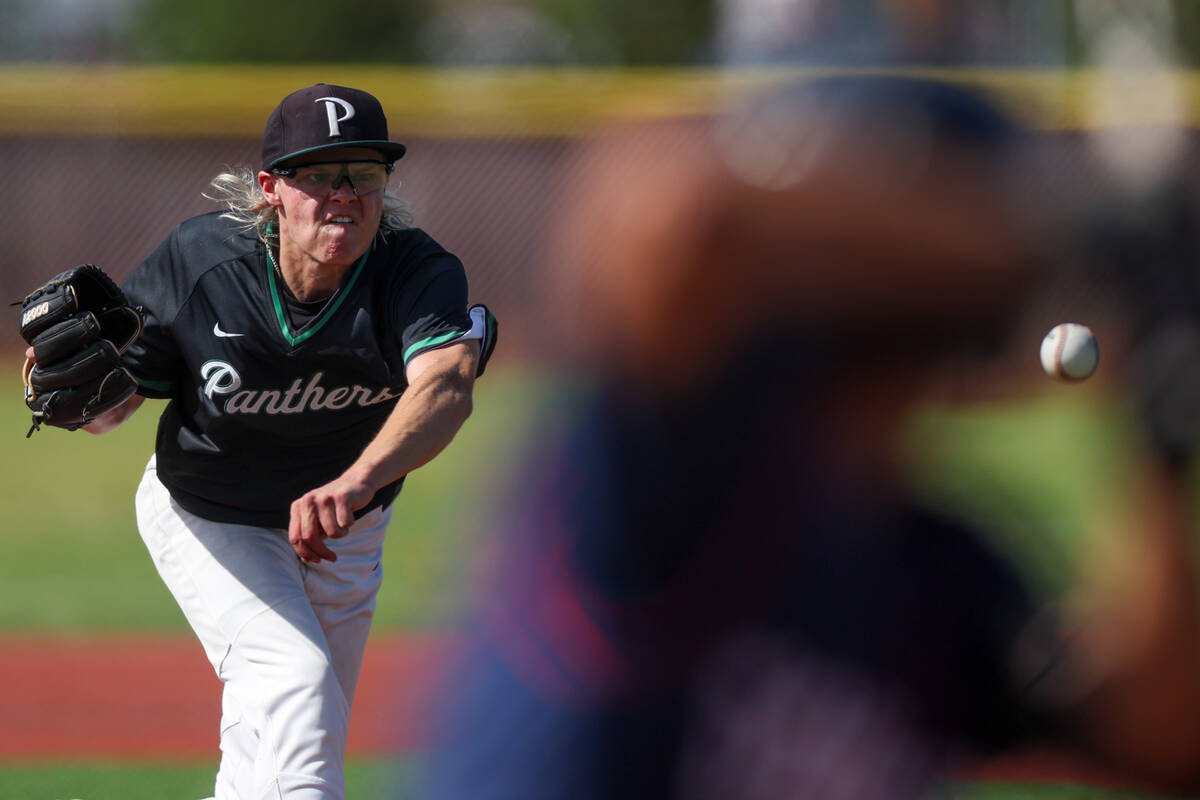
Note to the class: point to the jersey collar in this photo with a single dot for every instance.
(273, 283)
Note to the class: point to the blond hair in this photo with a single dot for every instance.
(238, 190)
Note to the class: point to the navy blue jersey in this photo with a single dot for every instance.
(260, 412)
(721, 616)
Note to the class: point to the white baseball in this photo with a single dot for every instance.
(1070, 352)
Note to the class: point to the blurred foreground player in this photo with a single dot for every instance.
(711, 584)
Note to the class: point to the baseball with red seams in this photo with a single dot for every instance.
(1070, 352)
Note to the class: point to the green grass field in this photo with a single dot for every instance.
(77, 563)
(170, 781)
(1034, 473)
(97, 781)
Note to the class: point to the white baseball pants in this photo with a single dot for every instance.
(286, 639)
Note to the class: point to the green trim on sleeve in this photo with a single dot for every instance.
(432, 341)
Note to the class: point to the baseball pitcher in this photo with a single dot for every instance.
(315, 349)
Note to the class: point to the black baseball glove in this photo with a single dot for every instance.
(79, 323)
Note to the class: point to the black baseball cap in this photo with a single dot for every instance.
(323, 116)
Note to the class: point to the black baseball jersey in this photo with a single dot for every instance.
(261, 410)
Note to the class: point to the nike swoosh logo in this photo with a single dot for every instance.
(218, 332)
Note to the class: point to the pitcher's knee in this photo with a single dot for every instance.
(313, 670)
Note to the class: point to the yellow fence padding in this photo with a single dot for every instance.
(218, 100)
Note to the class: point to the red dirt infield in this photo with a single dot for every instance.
(147, 698)
(157, 698)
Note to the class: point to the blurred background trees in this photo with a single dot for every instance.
(575, 32)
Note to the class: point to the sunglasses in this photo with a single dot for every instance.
(364, 176)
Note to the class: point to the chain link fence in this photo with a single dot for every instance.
(110, 201)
